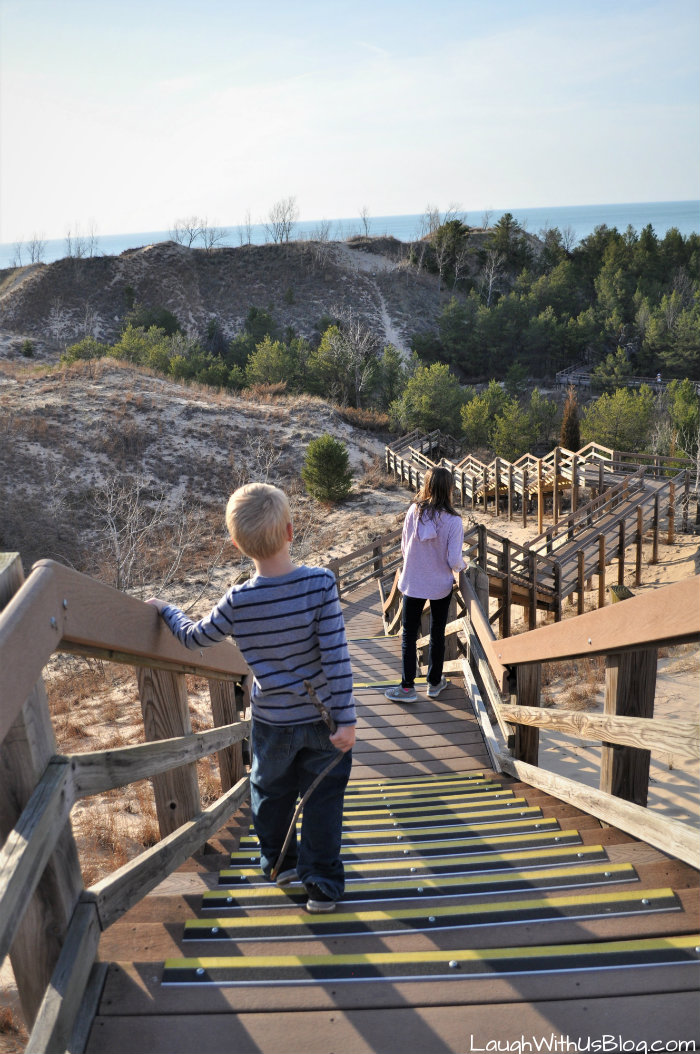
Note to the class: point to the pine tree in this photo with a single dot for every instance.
(570, 431)
(326, 472)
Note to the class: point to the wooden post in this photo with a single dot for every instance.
(557, 591)
(497, 485)
(601, 478)
(639, 538)
(473, 492)
(165, 715)
(686, 501)
(526, 497)
(555, 486)
(574, 483)
(378, 566)
(507, 587)
(510, 492)
(24, 755)
(580, 559)
(226, 708)
(540, 497)
(655, 532)
(630, 686)
(621, 554)
(671, 513)
(532, 607)
(486, 485)
(601, 570)
(526, 740)
(480, 584)
(483, 546)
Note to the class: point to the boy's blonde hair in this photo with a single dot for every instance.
(257, 516)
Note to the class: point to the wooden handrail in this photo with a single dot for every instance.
(665, 616)
(58, 609)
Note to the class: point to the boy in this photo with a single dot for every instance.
(288, 624)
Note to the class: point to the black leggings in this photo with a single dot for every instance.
(411, 616)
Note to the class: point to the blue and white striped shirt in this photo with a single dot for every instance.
(290, 629)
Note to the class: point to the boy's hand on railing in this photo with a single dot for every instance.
(344, 738)
(156, 602)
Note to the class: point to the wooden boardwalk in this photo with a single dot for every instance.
(477, 910)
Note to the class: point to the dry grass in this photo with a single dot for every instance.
(8, 1025)
(573, 684)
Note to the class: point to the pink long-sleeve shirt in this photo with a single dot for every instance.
(432, 549)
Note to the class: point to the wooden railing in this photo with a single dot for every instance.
(49, 922)
(503, 677)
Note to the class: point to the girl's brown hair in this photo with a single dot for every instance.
(436, 493)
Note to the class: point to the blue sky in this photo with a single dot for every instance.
(130, 115)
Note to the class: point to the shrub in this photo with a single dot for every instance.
(27, 349)
(326, 472)
(88, 348)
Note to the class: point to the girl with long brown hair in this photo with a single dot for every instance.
(431, 546)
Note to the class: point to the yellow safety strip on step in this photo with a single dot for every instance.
(417, 964)
(472, 845)
(481, 860)
(629, 901)
(572, 874)
(403, 781)
(429, 805)
(522, 818)
(422, 791)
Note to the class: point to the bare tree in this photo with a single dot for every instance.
(92, 239)
(568, 238)
(245, 233)
(491, 274)
(186, 231)
(58, 321)
(486, 219)
(364, 217)
(37, 248)
(76, 244)
(135, 521)
(282, 219)
(18, 248)
(212, 236)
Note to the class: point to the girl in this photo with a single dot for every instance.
(431, 545)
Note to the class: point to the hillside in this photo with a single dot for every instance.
(83, 449)
(299, 283)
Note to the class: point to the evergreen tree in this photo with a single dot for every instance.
(326, 471)
(570, 427)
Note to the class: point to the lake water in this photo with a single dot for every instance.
(581, 219)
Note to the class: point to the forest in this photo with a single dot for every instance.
(517, 309)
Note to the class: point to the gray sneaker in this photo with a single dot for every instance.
(435, 689)
(286, 877)
(399, 694)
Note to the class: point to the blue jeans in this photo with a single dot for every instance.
(286, 760)
(411, 617)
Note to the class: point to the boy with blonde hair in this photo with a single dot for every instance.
(288, 624)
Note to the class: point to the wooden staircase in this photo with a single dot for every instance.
(478, 909)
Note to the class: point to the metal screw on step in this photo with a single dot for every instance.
(200, 971)
(413, 870)
(229, 900)
(215, 929)
(420, 889)
(453, 964)
(608, 874)
(431, 918)
(645, 901)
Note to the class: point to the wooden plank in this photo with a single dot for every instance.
(630, 687)
(94, 614)
(61, 1004)
(32, 613)
(667, 615)
(166, 716)
(137, 990)
(115, 894)
(671, 836)
(28, 744)
(29, 845)
(101, 770)
(680, 738)
(658, 1018)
